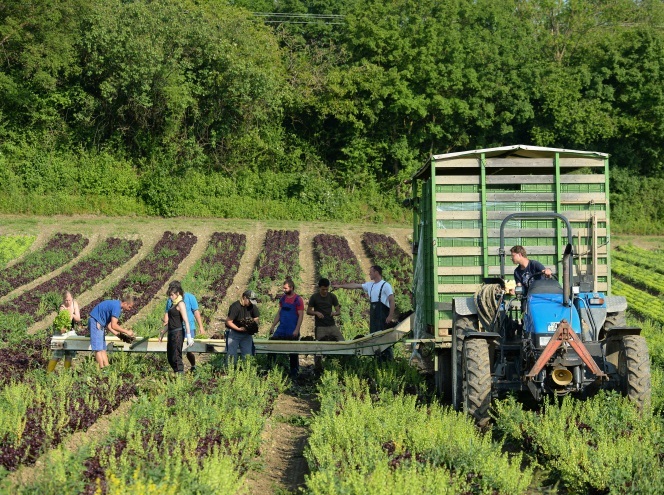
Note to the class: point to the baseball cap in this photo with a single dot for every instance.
(251, 295)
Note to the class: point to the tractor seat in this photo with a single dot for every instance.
(545, 286)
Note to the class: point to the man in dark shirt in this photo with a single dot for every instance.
(238, 338)
(324, 306)
(526, 270)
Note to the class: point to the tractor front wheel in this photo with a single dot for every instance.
(476, 380)
(634, 369)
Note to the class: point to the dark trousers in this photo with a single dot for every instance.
(174, 349)
(293, 358)
(377, 316)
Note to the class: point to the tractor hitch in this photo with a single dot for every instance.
(564, 334)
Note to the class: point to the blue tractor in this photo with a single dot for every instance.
(556, 339)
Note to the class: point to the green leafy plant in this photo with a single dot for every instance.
(13, 246)
(62, 322)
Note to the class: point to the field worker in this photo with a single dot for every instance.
(289, 317)
(324, 306)
(193, 316)
(177, 325)
(238, 337)
(106, 315)
(70, 305)
(526, 270)
(381, 297)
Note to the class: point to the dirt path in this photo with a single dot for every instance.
(404, 242)
(308, 276)
(355, 242)
(283, 441)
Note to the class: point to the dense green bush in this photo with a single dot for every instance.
(318, 120)
(636, 206)
(601, 445)
(359, 432)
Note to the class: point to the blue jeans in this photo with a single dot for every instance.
(239, 341)
(97, 337)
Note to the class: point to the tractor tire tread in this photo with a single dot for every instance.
(477, 378)
(638, 370)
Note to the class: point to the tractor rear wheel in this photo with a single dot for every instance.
(634, 370)
(476, 380)
(462, 325)
(618, 319)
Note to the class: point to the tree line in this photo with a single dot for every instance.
(327, 104)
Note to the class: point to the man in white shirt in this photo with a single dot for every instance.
(381, 297)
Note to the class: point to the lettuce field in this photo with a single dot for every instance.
(358, 427)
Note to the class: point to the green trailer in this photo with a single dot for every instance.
(460, 201)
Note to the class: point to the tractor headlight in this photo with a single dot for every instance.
(544, 341)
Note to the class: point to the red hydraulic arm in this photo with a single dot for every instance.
(565, 334)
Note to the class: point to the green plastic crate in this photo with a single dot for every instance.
(583, 207)
(459, 279)
(582, 188)
(457, 188)
(447, 298)
(449, 261)
(458, 206)
(459, 242)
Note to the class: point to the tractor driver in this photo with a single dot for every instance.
(527, 270)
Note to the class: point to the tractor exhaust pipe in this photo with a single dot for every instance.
(567, 275)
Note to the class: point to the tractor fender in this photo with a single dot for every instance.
(465, 306)
(619, 332)
(480, 335)
(615, 304)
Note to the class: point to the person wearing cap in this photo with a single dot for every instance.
(193, 316)
(238, 339)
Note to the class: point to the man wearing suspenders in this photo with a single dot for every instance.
(381, 298)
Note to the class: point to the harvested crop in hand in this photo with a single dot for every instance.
(126, 338)
(250, 326)
(62, 322)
